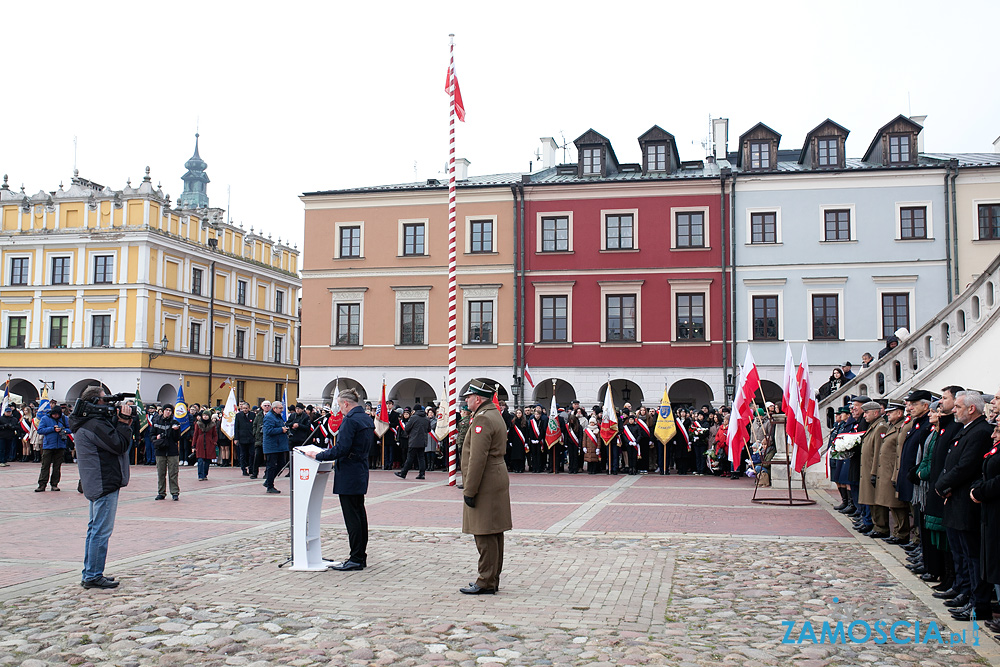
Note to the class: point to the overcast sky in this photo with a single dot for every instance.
(301, 96)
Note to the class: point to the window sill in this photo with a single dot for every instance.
(341, 257)
(766, 245)
(985, 240)
(617, 250)
(479, 346)
(926, 238)
(554, 252)
(481, 254)
(767, 340)
(826, 340)
(346, 347)
(412, 347)
(554, 344)
(840, 242)
(691, 343)
(631, 343)
(694, 249)
(411, 256)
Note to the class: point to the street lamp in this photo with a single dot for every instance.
(163, 349)
(626, 394)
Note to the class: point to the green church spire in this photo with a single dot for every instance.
(196, 181)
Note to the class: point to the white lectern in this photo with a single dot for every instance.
(308, 486)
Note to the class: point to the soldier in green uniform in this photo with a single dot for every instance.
(486, 514)
(460, 431)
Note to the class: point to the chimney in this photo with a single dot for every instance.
(461, 169)
(919, 120)
(549, 147)
(720, 137)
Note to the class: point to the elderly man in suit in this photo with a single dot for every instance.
(355, 440)
(486, 514)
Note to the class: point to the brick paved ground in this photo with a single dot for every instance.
(599, 570)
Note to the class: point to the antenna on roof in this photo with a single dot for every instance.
(565, 144)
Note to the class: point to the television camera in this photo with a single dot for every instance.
(108, 410)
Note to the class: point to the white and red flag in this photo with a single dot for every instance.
(382, 418)
(451, 87)
(527, 376)
(742, 413)
(553, 434)
(609, 420)
(791, 405)
(810, 412)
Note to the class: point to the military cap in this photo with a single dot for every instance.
(478, 388)
(919, 395)
(871, 405)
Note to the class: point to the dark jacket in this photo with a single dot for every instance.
(987, 491)
(51, 439)
(165, 436)
(354, 442)
(963, 466)
(417, 429)
(275, 440)
(243, 428)
(948, 430)
(919, 430)
(8, 426)
(296, 436)
(258, 427)
(102, 455)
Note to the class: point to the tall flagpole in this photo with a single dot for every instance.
(452, 275)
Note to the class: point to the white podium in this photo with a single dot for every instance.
(308, 486)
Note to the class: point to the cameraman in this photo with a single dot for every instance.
(166, 435)
(55, 431)
(102, 444)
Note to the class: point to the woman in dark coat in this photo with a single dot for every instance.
(987, 492)
(835, 382)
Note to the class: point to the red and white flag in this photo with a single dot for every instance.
(791, 405)
(382, 418)
(527, 376)
(451, 87)
(553, 434)
(609, 420)
(742, 413)
(810, 413)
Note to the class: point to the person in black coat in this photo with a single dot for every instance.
(243, 434)
(417, 428)
(355, 440)
(963, 466)
(389, 438)
(986, 492)
(299, 426)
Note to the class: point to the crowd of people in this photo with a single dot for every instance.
(923, 473)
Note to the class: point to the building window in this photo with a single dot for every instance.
(196, 280)
(411, 323)
(413, 239)
(837, 225)
(278, 388)
(350, 241)
(765, 317)
(241, 391)
(760, 155)
(348, 324)
(554, 311)
(279, 343)
(895, 313)
(480, 322)
(691, 230)
(194, 344)
(481, 236)
(17, 331)
(656, 157)
(555, 234)
(60, 270)
(241, 292)
(241, 344)
(279, 301)
(899, 149)
(621, 318)
(19, 271)
(826, 151)
(913, 222)
(591, 161)
(619, 232)
(825, 317)
(690, 317)
(763, 228)
(100, 331)
(58, 331)
(989, 222)
(104, 269)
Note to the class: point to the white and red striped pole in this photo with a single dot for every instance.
(452, 278)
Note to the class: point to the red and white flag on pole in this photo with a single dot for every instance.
(810, 412)
(553, 434)
(791, 405)
(451, 87)
(382, 418)
(742, 413)
(527, 376)
(609, 418)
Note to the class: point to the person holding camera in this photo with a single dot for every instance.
(166, 436)
(275, 445)
(55, 431)
(103, 439)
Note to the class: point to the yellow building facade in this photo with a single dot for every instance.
(118, 287)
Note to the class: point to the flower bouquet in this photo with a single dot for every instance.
(845, 445)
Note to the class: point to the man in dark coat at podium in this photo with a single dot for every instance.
(355, 440)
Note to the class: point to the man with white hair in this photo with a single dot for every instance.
(355, 440)
(962, 467)
(275, 445)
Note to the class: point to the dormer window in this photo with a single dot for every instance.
(899, 149)
(592, 161)
(760, 155)
(656, 157)
(826, 151)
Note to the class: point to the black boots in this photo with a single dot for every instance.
(845, 496)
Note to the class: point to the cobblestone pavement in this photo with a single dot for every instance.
(600, 571)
